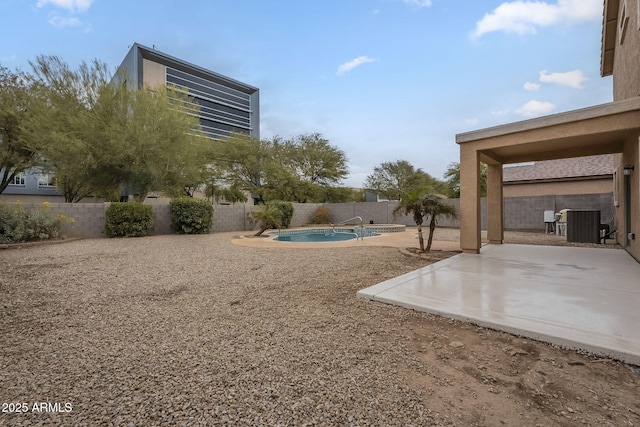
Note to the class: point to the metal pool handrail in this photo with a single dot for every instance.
(358, 235)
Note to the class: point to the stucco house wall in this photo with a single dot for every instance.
(622, 35)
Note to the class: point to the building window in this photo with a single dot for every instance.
(18, 180)
(46, 180)
(222, 109)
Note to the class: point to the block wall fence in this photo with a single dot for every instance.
(520, 213)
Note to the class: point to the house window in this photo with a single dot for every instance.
(18, 179)
(624, 22)
(46, 180)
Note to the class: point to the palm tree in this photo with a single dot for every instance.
(421, 206)
(269, 216)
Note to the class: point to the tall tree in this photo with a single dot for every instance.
(243, 160)
(64, 129)
(452, 180)
(318, 165)
(300, 169)
(163, 146)
(395, 180)
(102, 135)
(304, 167)
(16, 154)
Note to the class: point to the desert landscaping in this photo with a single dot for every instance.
(196, 330)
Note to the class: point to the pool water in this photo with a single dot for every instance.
(316, 237)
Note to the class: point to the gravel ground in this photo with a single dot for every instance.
(193, 330)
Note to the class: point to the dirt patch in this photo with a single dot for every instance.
(431, 256)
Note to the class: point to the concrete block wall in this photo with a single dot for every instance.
(161, 220)
(527, 213)
(382, 213)
(236, 217)
(83, 219)
(231, 217)
(378, 212)
(521, 213)
(88, 219)
(303, 213)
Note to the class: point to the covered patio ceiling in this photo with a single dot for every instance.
(589, 131)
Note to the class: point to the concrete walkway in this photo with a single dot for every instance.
(579, 298)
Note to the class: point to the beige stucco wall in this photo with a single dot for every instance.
(630, 156)
(626, 84)
(153, 74)
(592, 186)
(626, 64)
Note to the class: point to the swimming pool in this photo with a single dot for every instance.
(328, 234)
(317, 236)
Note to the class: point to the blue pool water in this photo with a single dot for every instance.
(316, 236)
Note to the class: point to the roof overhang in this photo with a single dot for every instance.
(586, 132)
(564, 179)
(609, 31)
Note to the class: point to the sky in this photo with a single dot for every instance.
(382, 80)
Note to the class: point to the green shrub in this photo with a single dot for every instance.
(287, 211)
(19, 225)
(191, 216)
(13, 227)
(42, 225)
(128, 219)
(321, 216)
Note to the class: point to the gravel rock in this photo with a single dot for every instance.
(194, 330)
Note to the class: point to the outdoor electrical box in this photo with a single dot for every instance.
(549, 221)
(583, 226)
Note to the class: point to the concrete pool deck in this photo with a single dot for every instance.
(400, 240)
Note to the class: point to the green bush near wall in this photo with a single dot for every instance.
(128, 219)
(18, 224)
(191, 216)
(287, 211)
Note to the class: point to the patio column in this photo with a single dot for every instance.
(495, 205)
(469, 199)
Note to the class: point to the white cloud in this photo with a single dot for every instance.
(63, 22)
(418, 3)
(350, 65)
(70, 5)
(472, 122)
(536, 108)
(500, 112)
(525, 17)
(531, 86)
(572, 79)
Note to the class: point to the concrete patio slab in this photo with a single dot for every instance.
(579, 298)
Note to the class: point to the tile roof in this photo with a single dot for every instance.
(559, 169)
